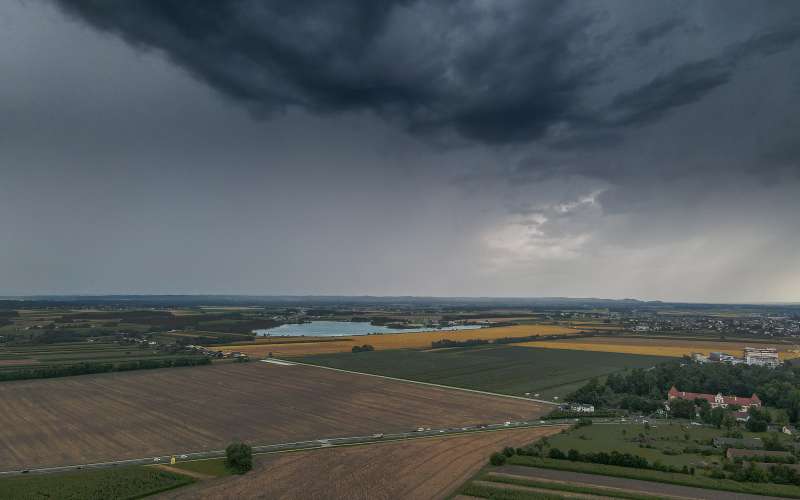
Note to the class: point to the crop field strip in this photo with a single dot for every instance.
(109, 416)
(655, 346)
(502, 369)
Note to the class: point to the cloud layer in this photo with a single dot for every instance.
(482, 148)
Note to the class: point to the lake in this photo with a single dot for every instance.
(344, 328)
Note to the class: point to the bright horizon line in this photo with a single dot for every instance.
(390, 296)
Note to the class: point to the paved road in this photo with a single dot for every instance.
(298, 445)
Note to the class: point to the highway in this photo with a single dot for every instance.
(422, 432)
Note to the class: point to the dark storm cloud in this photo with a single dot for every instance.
(494, 73)
(488, 73)
(612, 148)
(652, 33)
(691, 82)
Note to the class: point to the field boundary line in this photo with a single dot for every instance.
(431, 384)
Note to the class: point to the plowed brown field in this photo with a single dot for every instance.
(155, 412)
(423, 468)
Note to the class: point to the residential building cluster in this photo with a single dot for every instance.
(752, 356)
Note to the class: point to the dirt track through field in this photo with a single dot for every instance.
(419, 469)
(91, 418)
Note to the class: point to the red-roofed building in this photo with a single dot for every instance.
(718, 400)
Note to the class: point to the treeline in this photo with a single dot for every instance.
(6, 316)
(61, 336)
(362, 348)
(645, 390)
(201, 339)
(233, 322)
(486, 315)
(439, 344)
(605, 458)
(84, 368)
(615, 458)
(758, 473)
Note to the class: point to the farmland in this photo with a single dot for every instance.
(672, 444)
(127, 482)
(421, 468)
(156, 412)
(19, 362)
(67, 353)
(422, 340)
(502, 369)
(655, 346)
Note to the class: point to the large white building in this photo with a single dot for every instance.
(759, 356)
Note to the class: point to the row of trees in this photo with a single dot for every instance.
(362, 348)
(439, 344)
(51, 371)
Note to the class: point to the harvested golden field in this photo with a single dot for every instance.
(421, 468)
(421, 340)
(660, 347)
(90, 418)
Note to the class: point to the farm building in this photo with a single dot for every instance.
(716, 400)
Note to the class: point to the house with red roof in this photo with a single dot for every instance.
(717, 400)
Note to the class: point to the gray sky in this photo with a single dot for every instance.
(549, 148)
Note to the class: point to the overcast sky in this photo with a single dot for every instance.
(466, 148)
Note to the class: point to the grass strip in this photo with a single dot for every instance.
(482, 491)
(572, 488)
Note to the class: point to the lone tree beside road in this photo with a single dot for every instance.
(239, 457)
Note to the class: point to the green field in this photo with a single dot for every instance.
(671, 444)
(102, 484)
(502, 369)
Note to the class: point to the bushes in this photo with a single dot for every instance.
(238, 457)
(497, 458)
(444, 343)
(362, 348)
(613, 458)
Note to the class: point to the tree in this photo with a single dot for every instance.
(756, 425)
(497, 459)
(681, 408)
(712, 416)
(239, 457)
(728, 422)
(772, 442)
